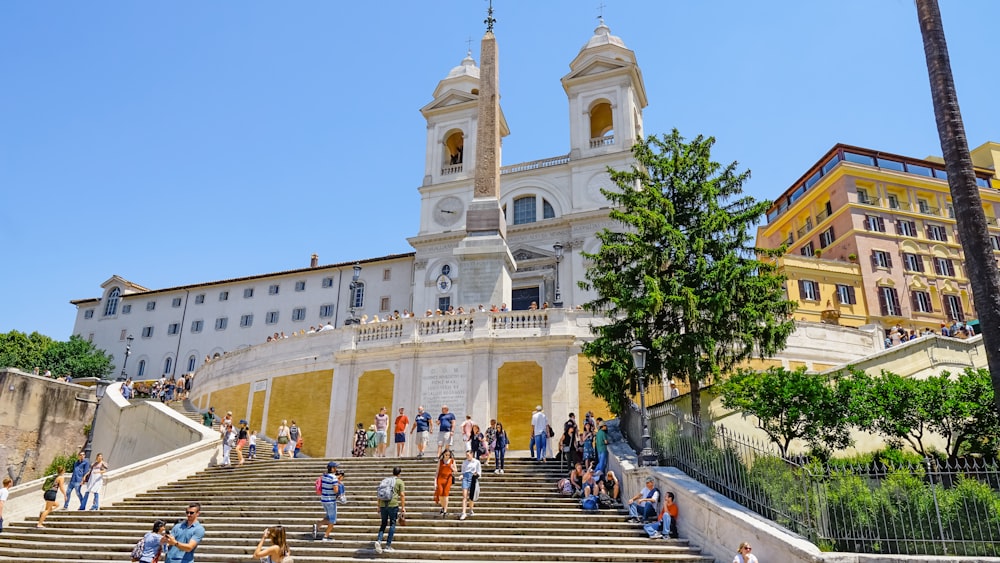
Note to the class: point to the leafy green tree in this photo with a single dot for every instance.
(790, 405)
(79, 358)
(962, 411)
(23, 351)
(681, 275)
(895, 407)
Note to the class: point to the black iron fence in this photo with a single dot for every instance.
(928, 508)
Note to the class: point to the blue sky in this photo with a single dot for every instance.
(179, 142)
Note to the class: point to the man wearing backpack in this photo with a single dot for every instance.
(391, 495)
(329, 488)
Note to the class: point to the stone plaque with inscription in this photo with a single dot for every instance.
(444, 384)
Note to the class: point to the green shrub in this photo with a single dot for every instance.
(65, 461)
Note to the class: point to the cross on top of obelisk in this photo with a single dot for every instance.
(490, 20)
(600, 11)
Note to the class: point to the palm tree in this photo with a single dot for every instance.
(969, 216)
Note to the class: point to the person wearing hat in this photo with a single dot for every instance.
(540, 434)
(328, 487)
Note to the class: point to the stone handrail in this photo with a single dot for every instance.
(444, 325)
(452, 169)
(602, 141)
(383, 330)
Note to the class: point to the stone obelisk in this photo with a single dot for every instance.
(484, 258)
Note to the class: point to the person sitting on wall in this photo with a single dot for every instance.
(642, 507)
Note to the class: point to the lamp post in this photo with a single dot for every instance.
(354, 286)
(128, 352)
(646, 457)
(101, 387)
(558, 247)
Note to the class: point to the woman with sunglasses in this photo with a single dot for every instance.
(743, 554)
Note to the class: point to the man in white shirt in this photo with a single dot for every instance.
(540, 433)
(4, 492)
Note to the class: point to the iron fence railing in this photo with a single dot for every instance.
(929, 508)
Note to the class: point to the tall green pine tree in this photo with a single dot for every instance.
(682, 275)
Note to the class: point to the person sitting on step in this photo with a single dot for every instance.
(610, 486)
(665, 526)
(642, 507)
(576, 479)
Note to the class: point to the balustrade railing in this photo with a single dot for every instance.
(602, 141)
(452, 169)
(534, 164)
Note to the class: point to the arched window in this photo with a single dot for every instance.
(454, 148)
(142, 368)
(111, 305)
(359, 295)
(167, 364)
(601, 123)
(524, 210)
(191, 362)
(547, 211)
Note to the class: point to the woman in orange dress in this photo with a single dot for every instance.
(446, 468)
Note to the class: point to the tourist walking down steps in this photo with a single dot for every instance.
(391, 502)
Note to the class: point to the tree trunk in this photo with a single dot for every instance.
(696, 403)
(983, 273)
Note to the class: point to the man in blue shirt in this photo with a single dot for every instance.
(446, 424)
(80, 468)
(330, 489)
(185, 536)
(422, 426)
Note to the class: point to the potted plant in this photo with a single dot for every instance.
(852, 257)
(818, 252)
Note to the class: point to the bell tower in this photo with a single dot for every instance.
(606, 96)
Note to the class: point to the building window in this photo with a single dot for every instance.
(248, 293)
(845, 294)
(995, 242)
(906, 228)
(874, 223)
(893, 202)
(176, 302)
(142, 368)
(922, 302)
(912, 262)
(937, 232)
(223, 296)
(808, 290)
(808, 249)
(271, 317)
(524, 210)
(881, 259)
(387, 274)
(384, 304)
(199, 299)
(191, 363)
(221, 323)
(299, 314)
(944, 267)
(150, 305)
(246, 321)
(111, 305)
(126, 308)
(325, 311)
(826, 238)
(358, 299)
(951, 211)
(863, 196)
(953, 307)
(273, 290)
(547, 211)
(173, 328)
(196, 326)
(327, 282)
(888, 300)
(88, 314)
(444, 303)
(167, 364)
(300, 286)
(923, 206)
(147, 332)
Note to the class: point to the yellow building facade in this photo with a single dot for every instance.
(871, 239)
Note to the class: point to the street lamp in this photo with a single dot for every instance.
(354, 286)
(128, 351)
(646, 457)
(558, 247)
(101, 387)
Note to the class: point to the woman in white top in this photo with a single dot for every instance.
(471, 471)
(95, 483)
(743, 554)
